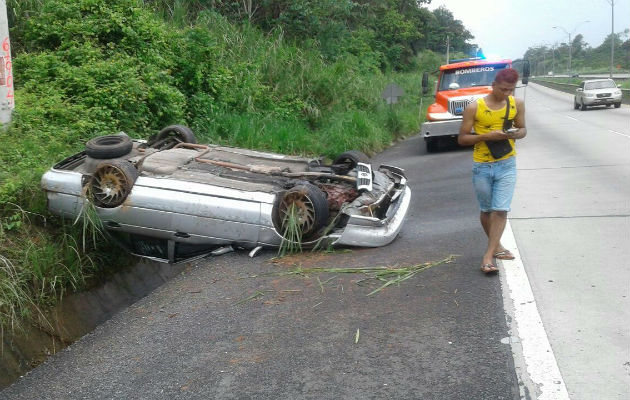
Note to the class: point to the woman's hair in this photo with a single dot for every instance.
(509, 75)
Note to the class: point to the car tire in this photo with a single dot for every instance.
(311, 206)
(432, 145)
(617, 105)
(583, 107)
(170, 136)
(348, 160)
(112, 182)
(108, 146)
(575, 104)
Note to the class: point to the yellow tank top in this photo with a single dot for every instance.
(488, 120)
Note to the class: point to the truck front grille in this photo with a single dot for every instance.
(456, 107)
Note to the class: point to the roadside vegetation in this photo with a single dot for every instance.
(585, 59)
(625, 84)
(299, 77)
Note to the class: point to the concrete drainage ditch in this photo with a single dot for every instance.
(77, 315)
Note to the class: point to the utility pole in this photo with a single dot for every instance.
(7, 102)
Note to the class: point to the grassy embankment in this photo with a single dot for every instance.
(84, 69)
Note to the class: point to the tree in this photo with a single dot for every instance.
(578, 46)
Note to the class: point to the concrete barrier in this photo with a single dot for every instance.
(570, 88)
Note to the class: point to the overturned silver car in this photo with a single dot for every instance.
(171, 199)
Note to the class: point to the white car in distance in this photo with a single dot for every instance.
(597, 92)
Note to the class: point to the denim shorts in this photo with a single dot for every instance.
(494, 184)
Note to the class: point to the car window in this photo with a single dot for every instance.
(600, 85)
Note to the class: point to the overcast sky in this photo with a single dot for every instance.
(506, 28)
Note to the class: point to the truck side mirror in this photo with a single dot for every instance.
(425, 83)
(526, 72)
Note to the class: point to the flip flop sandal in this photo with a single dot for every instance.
(504, 255)
(489, 268)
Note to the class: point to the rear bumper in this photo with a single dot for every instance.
(441, 128)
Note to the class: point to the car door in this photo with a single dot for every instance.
(580, 93)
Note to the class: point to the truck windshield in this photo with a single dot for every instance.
(480, 75)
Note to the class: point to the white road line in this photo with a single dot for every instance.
(529, 341)
(575, 119)
(619, 133)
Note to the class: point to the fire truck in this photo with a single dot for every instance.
(459, 83)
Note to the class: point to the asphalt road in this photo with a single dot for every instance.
(571, 220)
(220, 330)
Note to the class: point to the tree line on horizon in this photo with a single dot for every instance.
(584, 57)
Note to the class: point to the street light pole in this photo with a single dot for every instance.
(448, 45)
(612, 35)
(553, 60)
(570, 44)
(570, 50)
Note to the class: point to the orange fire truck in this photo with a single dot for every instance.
(459, 83)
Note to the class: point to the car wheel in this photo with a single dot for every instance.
(575, 104)
(112, 182)
(348, 160)
(432, 145)
(109, 146)
(617, 105)
(583, 107)
(170, 136)
(306, 202)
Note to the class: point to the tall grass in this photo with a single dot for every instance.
(37, 266)
(292, 232)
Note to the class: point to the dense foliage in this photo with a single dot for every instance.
(287, 76)
(381, 33)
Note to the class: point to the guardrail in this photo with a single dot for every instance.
(570, 88)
